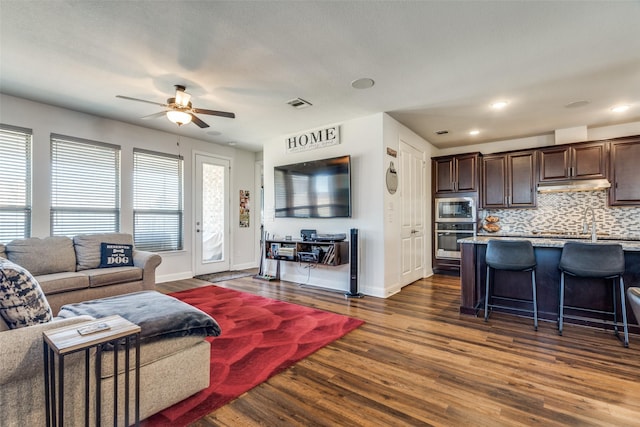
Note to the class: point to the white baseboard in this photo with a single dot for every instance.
(174, 276)
(244, 266)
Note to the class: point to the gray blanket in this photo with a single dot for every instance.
(159, 316)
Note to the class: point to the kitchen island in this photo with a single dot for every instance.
(593, 294)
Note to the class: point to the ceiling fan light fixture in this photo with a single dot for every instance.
(182, 98)
(179, 117)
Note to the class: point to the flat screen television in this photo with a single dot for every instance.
(314, 189)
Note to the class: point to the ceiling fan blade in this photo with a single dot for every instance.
(155, 115)
(214, 113)
(198, 122)
(141, 100)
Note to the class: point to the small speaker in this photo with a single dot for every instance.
(353, 266)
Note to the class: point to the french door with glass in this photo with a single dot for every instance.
(211, 215)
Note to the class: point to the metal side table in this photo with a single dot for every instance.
(67, 340)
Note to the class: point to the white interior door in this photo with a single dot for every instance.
(211, 214)
(412, 195)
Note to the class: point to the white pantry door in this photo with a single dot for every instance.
(211, 214)
(412, 196)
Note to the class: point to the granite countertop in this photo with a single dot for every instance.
(550, 242)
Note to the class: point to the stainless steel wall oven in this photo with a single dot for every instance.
(455, 218)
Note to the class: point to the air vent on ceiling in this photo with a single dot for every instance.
(441, 132)
(299, 103)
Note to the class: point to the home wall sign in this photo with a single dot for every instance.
(314, 139)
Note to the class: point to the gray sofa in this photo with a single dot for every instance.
(172, 369)
(68, 269)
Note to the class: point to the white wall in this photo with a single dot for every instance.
(362, 139)
(45, 119)
(394, 132)
(366, 140)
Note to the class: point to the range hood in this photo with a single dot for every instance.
(574, 185)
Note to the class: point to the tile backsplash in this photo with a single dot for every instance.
(564, 212)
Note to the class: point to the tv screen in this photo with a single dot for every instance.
(314, 189)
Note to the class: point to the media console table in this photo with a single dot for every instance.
(307, 251)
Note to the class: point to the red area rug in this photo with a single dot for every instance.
(260, 338)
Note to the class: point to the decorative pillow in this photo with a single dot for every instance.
(87, 247)
(22, 302)
(115, 255)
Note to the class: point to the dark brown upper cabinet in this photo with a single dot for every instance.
(509, 180)
(574, 161)
(455, 174)
(625, 172)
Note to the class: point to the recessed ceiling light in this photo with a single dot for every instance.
(363, 83)
(620, 108)
(577, 104)
(232, 143)
(474, 132)
(499, 105)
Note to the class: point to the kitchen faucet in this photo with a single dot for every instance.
(593, 223)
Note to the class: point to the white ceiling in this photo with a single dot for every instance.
(437, 64)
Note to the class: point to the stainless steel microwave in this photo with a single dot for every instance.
(455, 209)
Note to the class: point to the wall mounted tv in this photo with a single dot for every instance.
(314, 189)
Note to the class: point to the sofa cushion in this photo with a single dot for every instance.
(111, 276)
(87, 247)
(3, 254)
(22, 302)
(62, 282)
(43, 256)
(114, 255)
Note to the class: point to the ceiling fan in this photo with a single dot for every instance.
(179, 109)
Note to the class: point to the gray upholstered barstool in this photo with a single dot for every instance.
(604, 261)
(512, 255)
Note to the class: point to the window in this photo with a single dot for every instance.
(85, 186)
(157, 201)
(15, 176)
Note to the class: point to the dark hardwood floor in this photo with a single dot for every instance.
(417, 361)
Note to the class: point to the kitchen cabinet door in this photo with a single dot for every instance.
(494, 182)
(589, 161)
(444, 175)
(522, 179)
(467, 172)
(625, 174)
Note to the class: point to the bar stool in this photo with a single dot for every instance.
(512, 255)
(594, 260)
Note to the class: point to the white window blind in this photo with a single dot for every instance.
(85, 186)
(157, 201)
(15, 179)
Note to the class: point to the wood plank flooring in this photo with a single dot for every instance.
(418, 362)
